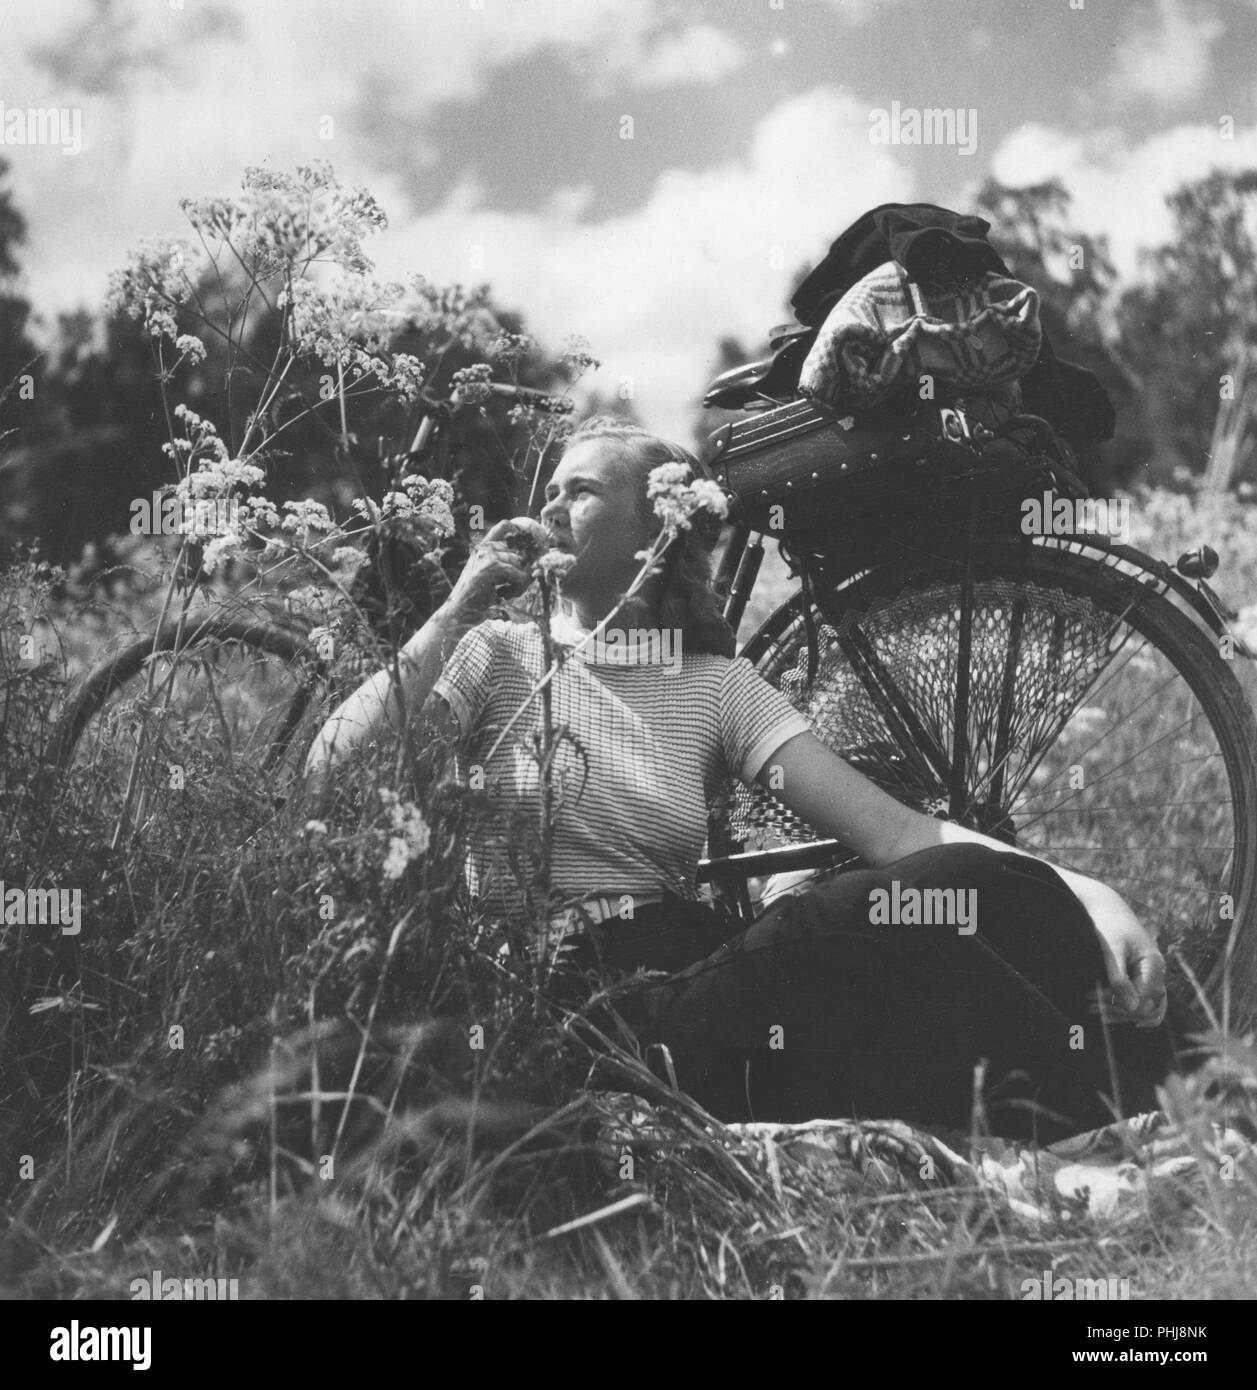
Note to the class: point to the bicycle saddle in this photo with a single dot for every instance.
(775, 377)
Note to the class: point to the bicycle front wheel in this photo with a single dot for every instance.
(200, 702)
(1058, 702)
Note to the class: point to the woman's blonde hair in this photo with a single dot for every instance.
(681, 596)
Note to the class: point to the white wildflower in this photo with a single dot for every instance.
(305, 515)
(397, 504)
(433, 501)
(411, 835)
(191, 347)
(220, 478)
(576, 356)
(676, 498)
(154, 285)
(396, 859)
(220, 548)
(711, 496)
(472, 383)
(554, 564)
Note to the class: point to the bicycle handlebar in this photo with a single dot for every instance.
(436, 409)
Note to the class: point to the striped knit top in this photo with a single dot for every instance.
(646, 735)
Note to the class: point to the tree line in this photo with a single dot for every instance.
(81, 429)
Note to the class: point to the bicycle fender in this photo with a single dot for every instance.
(1196, 593)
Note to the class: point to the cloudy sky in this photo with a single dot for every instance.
(493, 133)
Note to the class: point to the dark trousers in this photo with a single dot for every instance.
(816, 1011)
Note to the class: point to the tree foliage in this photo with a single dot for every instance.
(16, 349)
(92, 440)
(1192, 323)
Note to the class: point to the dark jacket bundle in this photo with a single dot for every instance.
(947, 254)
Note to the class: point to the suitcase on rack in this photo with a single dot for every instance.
(802, 468)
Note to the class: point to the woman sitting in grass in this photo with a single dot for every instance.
(820, 1008)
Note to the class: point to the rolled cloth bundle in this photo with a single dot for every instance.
(887, 333)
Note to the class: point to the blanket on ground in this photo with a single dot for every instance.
(1163, 1159)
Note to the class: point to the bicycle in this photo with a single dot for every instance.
(956, 661)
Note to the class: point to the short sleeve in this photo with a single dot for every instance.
(467, 677)
(755, 720)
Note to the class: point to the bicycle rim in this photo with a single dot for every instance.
(221, 716)
(1104, 731)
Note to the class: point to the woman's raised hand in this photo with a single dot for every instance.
(500, 565)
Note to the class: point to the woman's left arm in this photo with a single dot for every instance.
(831, 795)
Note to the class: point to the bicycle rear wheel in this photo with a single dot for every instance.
(1099, 727)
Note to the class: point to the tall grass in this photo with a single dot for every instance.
(265, 1057)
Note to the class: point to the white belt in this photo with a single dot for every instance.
(596, 910)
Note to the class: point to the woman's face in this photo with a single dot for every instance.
(594, 511)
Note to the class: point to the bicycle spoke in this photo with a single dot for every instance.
(1108, 733)
(1061, 722)
(1090, 692)
(957, 796)
(1111, 772)
(1003, 727)
(1147, 767)
(897, 712)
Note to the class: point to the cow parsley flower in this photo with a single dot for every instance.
(219, 549)
(510, 347)
(576, 356)
(154, 284)
(220, 478)
(553, 565)
(306, 515)
(396, 859)
(352, 322)
(190, 346)
(410, 835)
(472, 383)
(347, 555)
(433, 501)
(407, 376)
(676, 498)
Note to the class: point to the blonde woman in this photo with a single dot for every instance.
(820, 1007)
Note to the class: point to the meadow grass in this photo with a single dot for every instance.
(283, 1049)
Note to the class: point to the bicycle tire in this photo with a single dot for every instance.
(1221, 951)
(116, 670)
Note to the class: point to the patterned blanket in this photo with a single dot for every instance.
(1168, 1157)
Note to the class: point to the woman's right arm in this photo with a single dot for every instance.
(374, 708)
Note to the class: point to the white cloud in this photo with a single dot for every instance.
(701, 53)
(256, 92)
(1119, 185)
(1168, 62)
(710, 253)
(859, 11)
(437, 50)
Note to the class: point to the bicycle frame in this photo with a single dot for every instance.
(438, 411)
